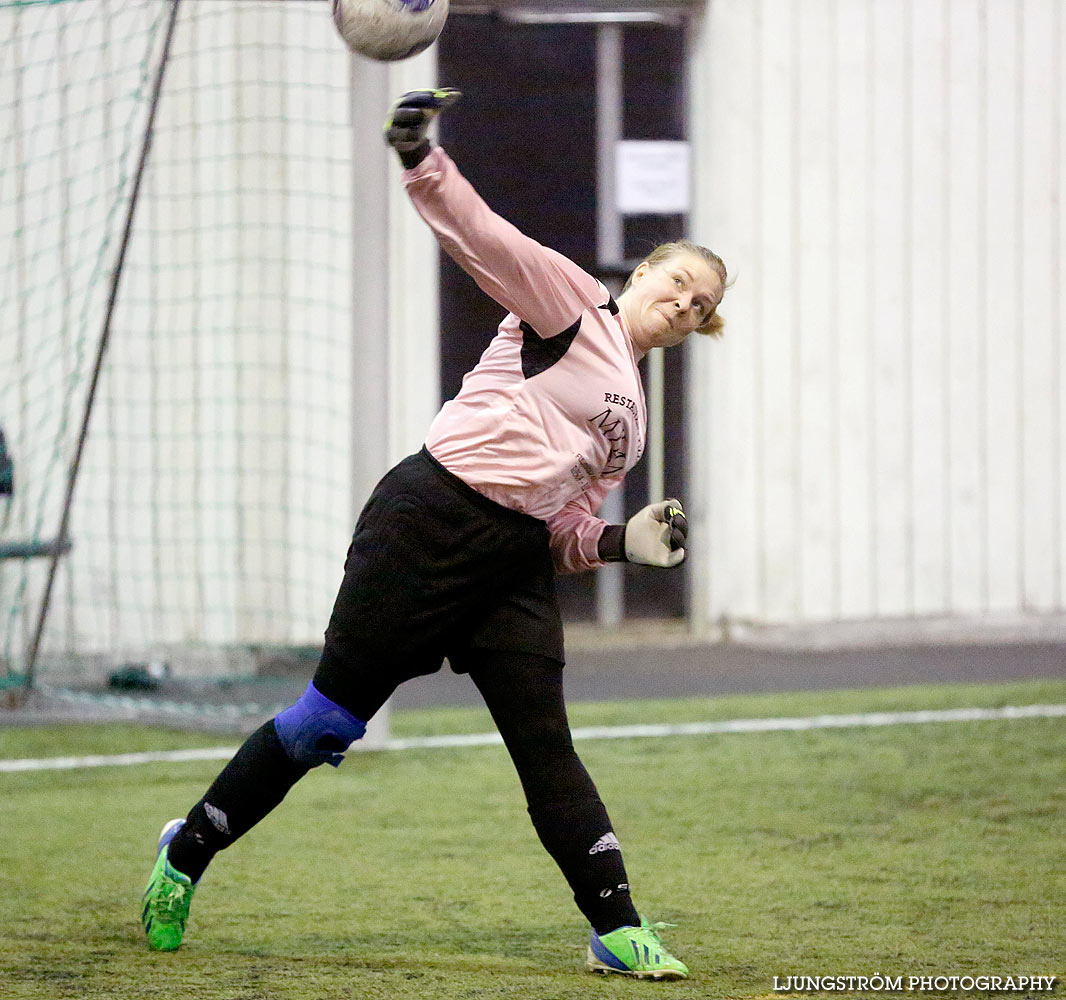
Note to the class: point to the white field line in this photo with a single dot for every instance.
(587, 733)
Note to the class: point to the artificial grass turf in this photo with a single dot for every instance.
(905, 850)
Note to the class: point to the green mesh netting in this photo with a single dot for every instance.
(213, 504)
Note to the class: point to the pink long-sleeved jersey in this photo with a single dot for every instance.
(553, 415)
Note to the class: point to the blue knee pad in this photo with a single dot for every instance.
(316, 730)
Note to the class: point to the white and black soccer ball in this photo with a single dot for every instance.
(389, 30)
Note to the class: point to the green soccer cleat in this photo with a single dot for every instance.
(166, 897)
(634, 951)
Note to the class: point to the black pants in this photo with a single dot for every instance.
(436, 570)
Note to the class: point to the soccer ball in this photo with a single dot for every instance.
(389, 29)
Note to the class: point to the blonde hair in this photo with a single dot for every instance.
(714, 323)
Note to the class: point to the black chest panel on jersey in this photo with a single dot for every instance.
(539, 353)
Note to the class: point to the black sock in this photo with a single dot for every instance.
(578, 836)
(248, 787)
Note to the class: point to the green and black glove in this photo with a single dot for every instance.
(410, 117)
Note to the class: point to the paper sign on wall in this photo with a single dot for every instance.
(652, 177)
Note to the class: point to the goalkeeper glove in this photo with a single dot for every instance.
(410, 117)
(654, 536)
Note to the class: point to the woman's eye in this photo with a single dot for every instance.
(677, 281)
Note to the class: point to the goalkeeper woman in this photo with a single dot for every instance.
(455, 552)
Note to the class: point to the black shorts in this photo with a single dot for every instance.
(434, 570)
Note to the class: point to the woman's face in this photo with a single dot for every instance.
(666, 302)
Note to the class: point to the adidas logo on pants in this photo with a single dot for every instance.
(608, 842)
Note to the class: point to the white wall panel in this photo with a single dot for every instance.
(722, 383)
(924, 323)
(1057, 262)
(1040, 442)
(778, 389)
(886, 307)
(852, 465)
(964, 331)
(413, 294)
(888, 176)
(1000, 302)
(812, 299)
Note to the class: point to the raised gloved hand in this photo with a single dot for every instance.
(410, 117)
(655, 535)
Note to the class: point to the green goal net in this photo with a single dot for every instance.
(212, 503)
